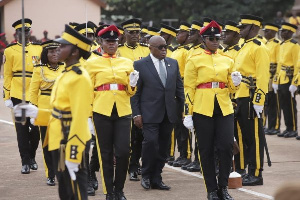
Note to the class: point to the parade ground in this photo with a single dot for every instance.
(284, 153)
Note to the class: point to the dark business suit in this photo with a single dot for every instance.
(158, 107)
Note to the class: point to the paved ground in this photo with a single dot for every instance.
(185, 186)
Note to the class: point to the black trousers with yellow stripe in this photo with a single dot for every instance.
(272, 110)
(47, 155)
(67, 188)
(288, 105)
(250, 138)
(28, 139)
(113, 138)
(212, 133)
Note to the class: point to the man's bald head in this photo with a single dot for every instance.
(156, 39)
(158, 47)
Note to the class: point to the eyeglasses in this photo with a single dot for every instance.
(211, 38)
(160, 47)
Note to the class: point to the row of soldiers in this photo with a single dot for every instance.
(282, 78)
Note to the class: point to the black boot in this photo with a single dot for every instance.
(110, 196)
(90, 189)
(223, 194)
(213, 195)
(250, 180)
(195, 167)
(119, 195)
(33, 164)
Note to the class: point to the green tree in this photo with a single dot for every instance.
(188, 10)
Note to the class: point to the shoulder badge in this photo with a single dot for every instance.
(170, 48)
(77, 70)
(237, 48)
(187, 47)
(10, 45)
(276, 41)
(256, 41)
(294, 41)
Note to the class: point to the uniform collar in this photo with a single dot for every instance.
(105, 55)
(21, 44)
(209, 52)
(53, 68)
(68, 68)
(130, 47)
(270, 40)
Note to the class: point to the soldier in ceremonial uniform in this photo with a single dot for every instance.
(114, 81)
(43, 78)
(231, 39)
(210, 77)
(133, 51)
(253, 63)
(68, 133)
(168, 33)
(272, 110)
(284, 81)
(182, 134)
(28, 140)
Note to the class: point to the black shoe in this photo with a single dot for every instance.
(170, 158)
(51, 181)
(33, 164)
(195, 167)
(213, 195)
(266, 130)
(223, 194)
(172, 162)
(185, 167)
(242, 172)
(90, 189)
(282, 134)
(291, 134)
(94, 181)
(133, 176)
(120, 196)
(274, 132)
(250, 180)
(25, 169)
(298, 138)
(110, 196)
(181, 162)
(160, 186)
(146, 183)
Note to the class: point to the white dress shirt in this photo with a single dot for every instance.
(156, 64)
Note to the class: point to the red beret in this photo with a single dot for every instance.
(211, 29)
(109, 33)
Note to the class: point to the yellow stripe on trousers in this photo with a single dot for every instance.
(78, 193)
(241, 145)
(172, 149)
(293, 113)
(278, 113)
(189, 153)
(100, 162)
(257, 152)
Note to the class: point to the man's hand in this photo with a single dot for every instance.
(188, 122)
(138, 121)
(236, 78)
(31, 110)
(133, 78)
(91, 126)
(275, 87)
(292, 90)
(72, 168)
(258, 109)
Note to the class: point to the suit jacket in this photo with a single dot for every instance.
(152, 99)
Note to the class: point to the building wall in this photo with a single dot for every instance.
(50, 15)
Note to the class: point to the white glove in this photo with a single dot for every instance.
(32, 120)
(72, 168)
(275, 87)
(188, 122)
(258, 109)
(31, 110)
(133, 78)
(293, 89)
(91, 126)
(236, 78)
(8, 103)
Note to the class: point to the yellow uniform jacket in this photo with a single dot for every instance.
(94, 54)
(133, 53)
(288, 62)
(253, 61)
(232, 51)
(204, 68)
(110, 70)
(72, 92)
(170, 50)
(180, 54)
(273, 46)
(197, 49)
(41, 85)
(12, 86)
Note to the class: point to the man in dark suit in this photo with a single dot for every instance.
(154, 107)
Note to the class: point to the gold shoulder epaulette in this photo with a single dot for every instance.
(256, 41)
